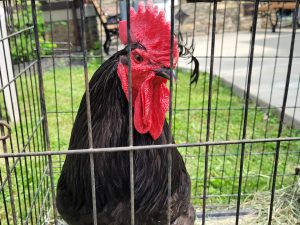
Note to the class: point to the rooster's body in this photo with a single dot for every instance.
(110, 119)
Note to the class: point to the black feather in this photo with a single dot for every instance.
(187, 51)
(109, 114)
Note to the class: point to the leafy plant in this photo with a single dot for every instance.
(23, 46)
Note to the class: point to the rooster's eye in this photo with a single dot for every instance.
(138, 58)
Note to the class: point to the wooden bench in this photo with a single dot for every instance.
(110, 24)
(272, 10)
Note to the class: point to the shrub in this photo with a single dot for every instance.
(23, 46)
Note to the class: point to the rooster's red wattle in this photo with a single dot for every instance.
(150, 63)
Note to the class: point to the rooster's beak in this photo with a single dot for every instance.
(165, 73)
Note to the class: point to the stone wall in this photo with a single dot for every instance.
(231, 15)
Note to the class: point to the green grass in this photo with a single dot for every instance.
(63, 92)
(190, 126)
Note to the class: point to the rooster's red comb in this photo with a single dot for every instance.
(149, 28)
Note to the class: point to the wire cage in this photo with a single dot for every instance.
(237, 129)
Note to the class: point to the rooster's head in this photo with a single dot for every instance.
(150, 63)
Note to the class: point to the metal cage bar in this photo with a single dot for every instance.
(212, 53)
(286, 90)
(245, 114)
(88, 107)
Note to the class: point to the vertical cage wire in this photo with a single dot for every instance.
(230, 103)
(282, 115)
(54, 74)
(257, 99)
(269, 106)
(130, 125)
(170, 138)
(245, 114)
(88, 107)
(43, 107)
(218, 85)
(212, 53)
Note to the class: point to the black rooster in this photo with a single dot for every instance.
(150, 35)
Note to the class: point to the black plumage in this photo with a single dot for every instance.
(109, 115)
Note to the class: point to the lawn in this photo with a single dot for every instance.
(64, 87)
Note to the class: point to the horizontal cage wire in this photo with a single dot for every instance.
(75, 151)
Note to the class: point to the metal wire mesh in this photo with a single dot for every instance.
(237, 130)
